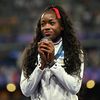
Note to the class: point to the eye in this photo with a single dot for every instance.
(42, 24)
(52, 23)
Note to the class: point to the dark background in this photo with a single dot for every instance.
(18, 20)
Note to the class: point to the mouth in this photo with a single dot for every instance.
(47, 33)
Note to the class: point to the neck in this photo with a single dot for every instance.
(57, 41)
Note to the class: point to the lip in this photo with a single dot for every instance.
(48, 32)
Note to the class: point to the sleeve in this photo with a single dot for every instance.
(28, 85)
(72, 83)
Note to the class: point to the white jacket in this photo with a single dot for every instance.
(56, 83)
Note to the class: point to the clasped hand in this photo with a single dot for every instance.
(46, 51)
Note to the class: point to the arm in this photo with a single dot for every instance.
(71, 83)
(28, 85)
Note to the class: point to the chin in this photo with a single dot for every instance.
(50, 37)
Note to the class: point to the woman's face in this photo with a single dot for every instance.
(50, 26)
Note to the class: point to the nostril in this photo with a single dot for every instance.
(47, 28)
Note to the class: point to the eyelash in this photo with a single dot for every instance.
(42, 24)
(52, 23)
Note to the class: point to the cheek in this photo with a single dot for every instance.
(58, 30)
(41, 29)
(58, 27)
(57, 33)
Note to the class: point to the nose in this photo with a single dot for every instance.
(47, 27)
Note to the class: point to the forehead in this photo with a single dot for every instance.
(48, 14)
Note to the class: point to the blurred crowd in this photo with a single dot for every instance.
(18, 20)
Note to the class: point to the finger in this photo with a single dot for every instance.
(51, 43)
(47, 49)
(44, 46)
(48, 45)
(40, 43)
(40, 51)
(42, 54)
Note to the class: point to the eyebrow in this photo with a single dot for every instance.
(49, 19)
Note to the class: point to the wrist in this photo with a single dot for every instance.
(42, 65)
(50, 64)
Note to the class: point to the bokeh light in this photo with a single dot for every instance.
(11, 87)
(90, 84)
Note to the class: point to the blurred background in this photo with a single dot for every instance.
(18, 20)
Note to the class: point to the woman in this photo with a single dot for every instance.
(53, 65)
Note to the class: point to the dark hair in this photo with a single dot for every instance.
(71, 47)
